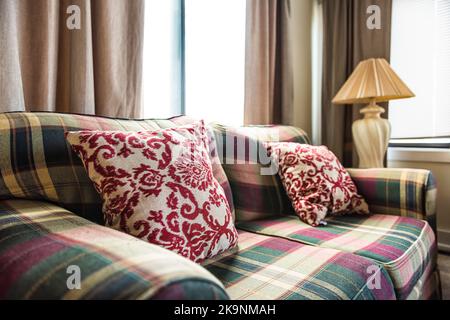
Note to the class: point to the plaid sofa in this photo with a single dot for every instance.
(50, 220)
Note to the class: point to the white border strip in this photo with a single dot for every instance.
(419, 155)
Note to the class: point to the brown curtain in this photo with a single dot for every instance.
(346, 41)
(268, 71)
(93, 70)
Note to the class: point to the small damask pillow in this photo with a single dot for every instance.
(159, 187)
(316, 182)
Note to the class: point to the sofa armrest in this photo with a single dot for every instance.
(402, 192)
(47, 252)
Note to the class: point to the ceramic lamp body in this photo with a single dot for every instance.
(371, 136)
(372, 81)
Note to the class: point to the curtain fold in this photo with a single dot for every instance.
(346, 41)
(268, 63)
(92, 70)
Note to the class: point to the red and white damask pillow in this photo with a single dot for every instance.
(315, 181)
(159, 187)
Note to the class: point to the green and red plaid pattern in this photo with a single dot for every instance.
(275, 268)
(39, 241)
(427, 288)
(405, 247)
(256, 196)
(402, 192)
(36, 163)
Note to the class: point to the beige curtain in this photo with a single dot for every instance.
(346, 41)
(268, 71)
(44, 66)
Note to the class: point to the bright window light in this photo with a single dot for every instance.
(420, 54)
(162, 59)
(215, 60)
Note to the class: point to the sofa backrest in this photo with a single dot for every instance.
(36, 162)
(256, 194)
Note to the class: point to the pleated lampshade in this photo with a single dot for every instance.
(372, 80)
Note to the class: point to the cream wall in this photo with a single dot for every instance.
(300, 33)
(441, 172)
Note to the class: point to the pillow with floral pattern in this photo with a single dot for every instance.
(158, 186)
(315, 181)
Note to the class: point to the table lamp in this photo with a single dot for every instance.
(372, 81)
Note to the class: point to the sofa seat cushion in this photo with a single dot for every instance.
(405, 247)
(275, 268)
(40, 241)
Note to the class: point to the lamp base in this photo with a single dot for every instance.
(371, 136)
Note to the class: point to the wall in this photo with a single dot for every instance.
(300, 24)
(441, 172)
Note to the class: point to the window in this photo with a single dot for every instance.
(420, 54)
(162, 78)
(194, 57)
(215, 60)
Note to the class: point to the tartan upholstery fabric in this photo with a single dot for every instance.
(427, 288)
(274, 133)
(275, 268)
(36, 162)
(405, 247)
(40, 240)
(255, 195)
(403, 192)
